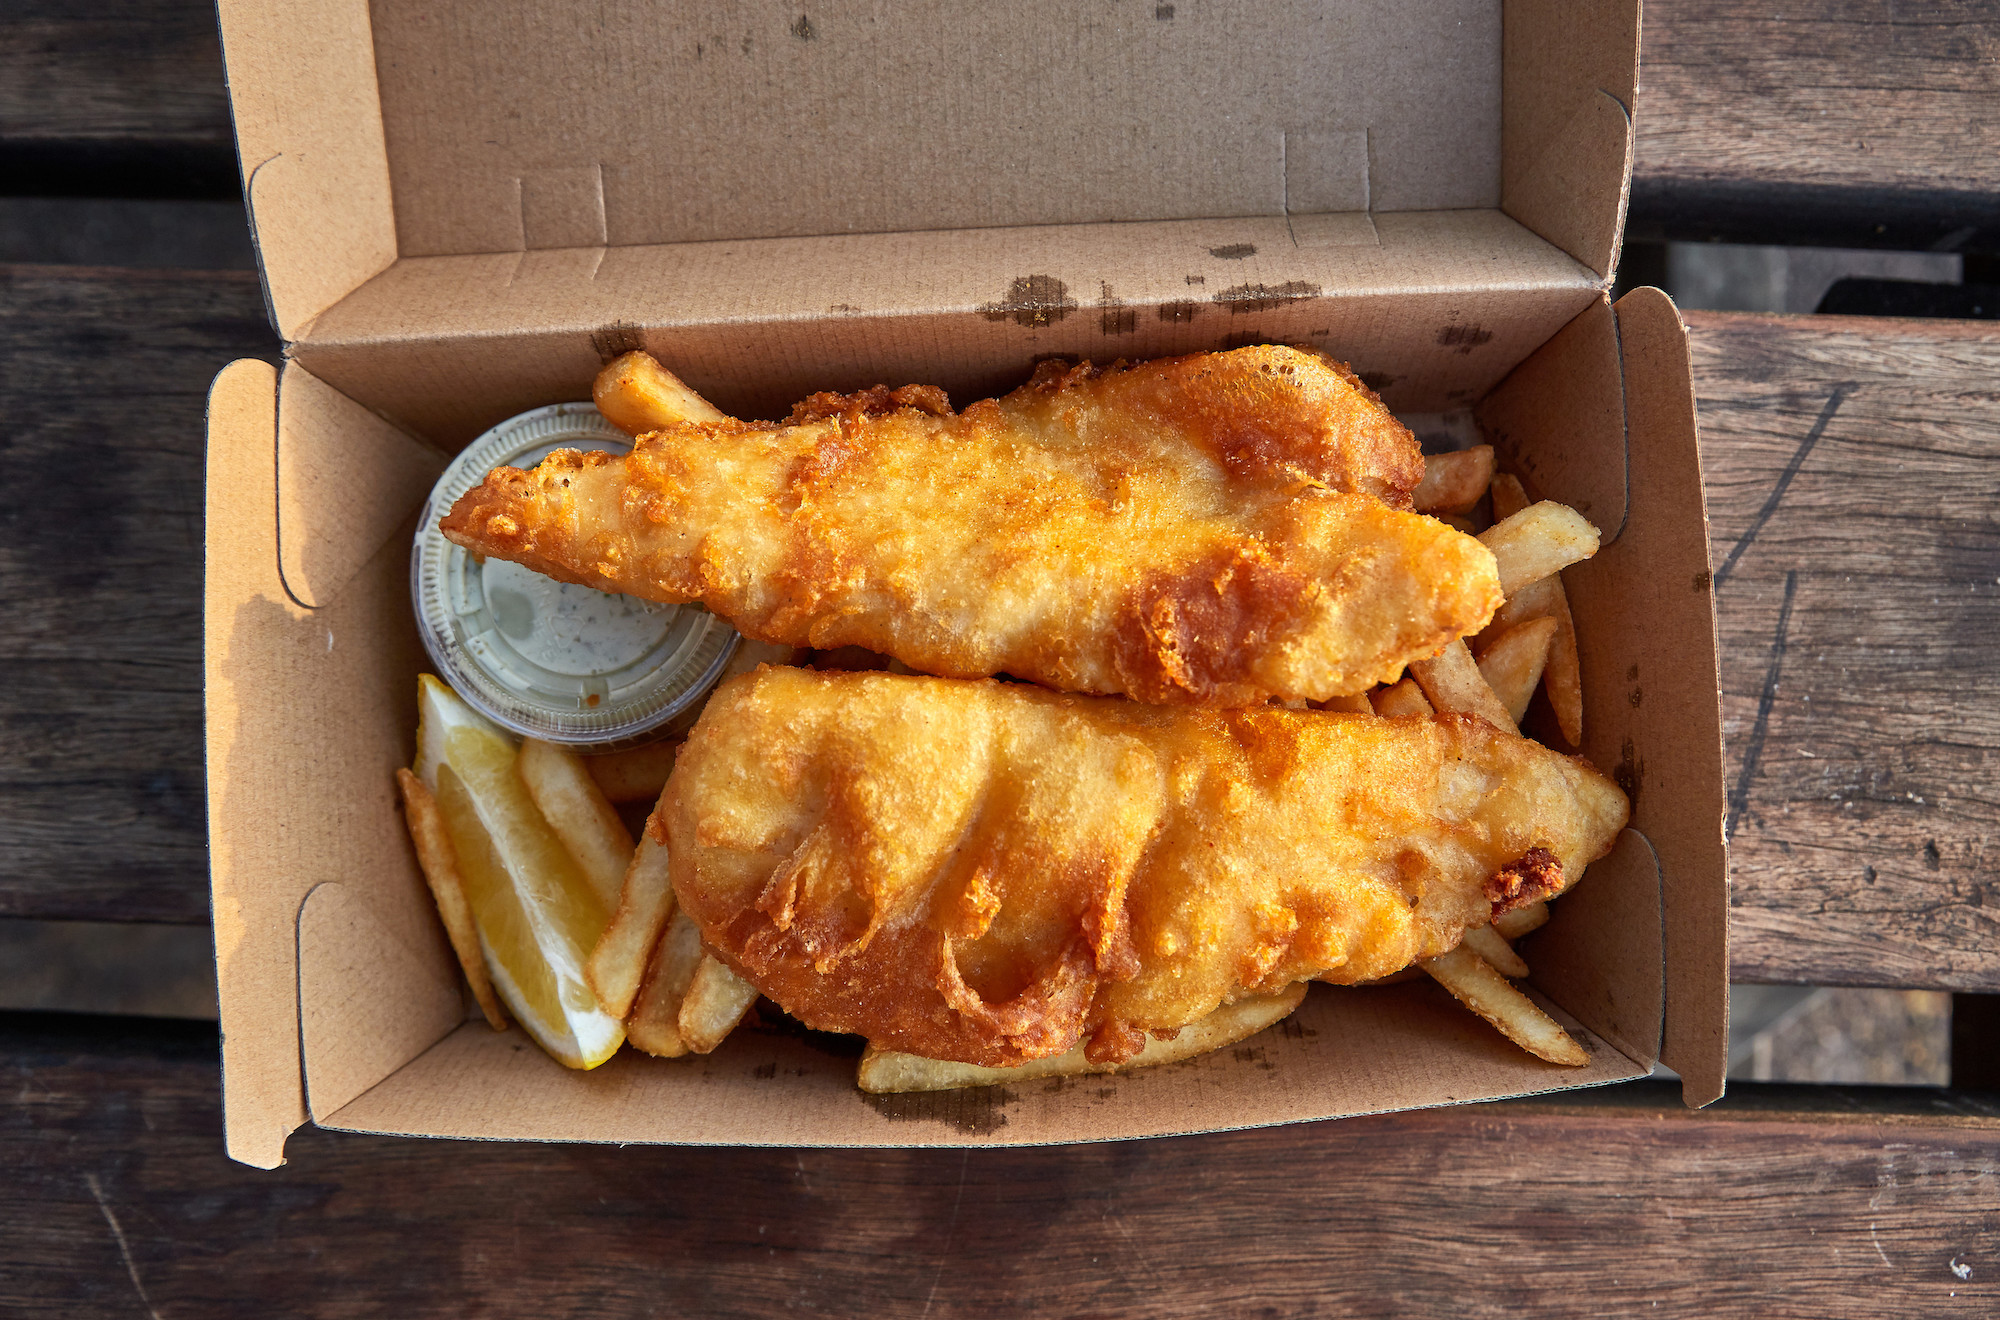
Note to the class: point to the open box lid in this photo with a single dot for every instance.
(416, 171)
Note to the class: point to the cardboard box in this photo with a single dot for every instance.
(461, 212)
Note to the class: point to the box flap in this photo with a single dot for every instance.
(309, 141)
(1670, 759)
(263, 1095)
(1602, 418)
(1432, 309)
(1571, 71)
(1344, 1052)
(289, 806)
(512, 125)
(378, 984)
(1558, 420)
(1599, 956)
(339, 503)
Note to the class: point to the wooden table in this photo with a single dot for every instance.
(1851, 481)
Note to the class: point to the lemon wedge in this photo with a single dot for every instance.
(537, 913)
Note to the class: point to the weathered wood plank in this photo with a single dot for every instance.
(1852, 470)
(1856, 122)
(119, 1202)
(105, 390)
(121, 98)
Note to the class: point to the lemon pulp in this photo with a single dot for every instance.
(537, 914)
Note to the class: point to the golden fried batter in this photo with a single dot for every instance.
(989, 872)
(1219, 528)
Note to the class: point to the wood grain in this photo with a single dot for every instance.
(1852, 468)
(1864, 122)
(118, 1202)
(120, 98)
(104, 392)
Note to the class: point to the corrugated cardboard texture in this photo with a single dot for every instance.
(1344, 1051)
(309, 138)
(1672, 755)
(1571, 71)
(1432, 308)
(309, 710)
(517, 125)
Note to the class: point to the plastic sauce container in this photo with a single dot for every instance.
(550, 659)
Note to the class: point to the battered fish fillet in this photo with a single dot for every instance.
(989, 872)
(1219, 528)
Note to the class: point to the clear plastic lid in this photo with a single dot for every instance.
(549, 659)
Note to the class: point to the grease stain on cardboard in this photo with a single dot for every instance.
(1179, 313)
(1464, 338)
(1032, 301)
(616, 340)
(1242, 298)
(978, 1111)
(1113, 316)
(1631, 771)
(1233, 251)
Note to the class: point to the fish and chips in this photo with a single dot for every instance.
(1268, 731)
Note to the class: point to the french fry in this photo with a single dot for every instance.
(636, 774)
(1516, 922)
(1452, 681)
(439, 862)
(1563, 675)
(636, 394)
(1459, 521)
(618, 962)
(885, 1071)
(1541, 539)
(1403, 697)
(577, 810)
(1512, 665)
(1454, 482)
(1509, 496)
(1486, 942)
(1476, 985)
(655, 1021)
(1354, 704)
(1534, 601)
(716, 1000)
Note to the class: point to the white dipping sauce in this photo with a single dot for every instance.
(544, 658)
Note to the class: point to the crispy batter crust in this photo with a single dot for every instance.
(1215, 529)
(1535, 875)
(990, 872)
